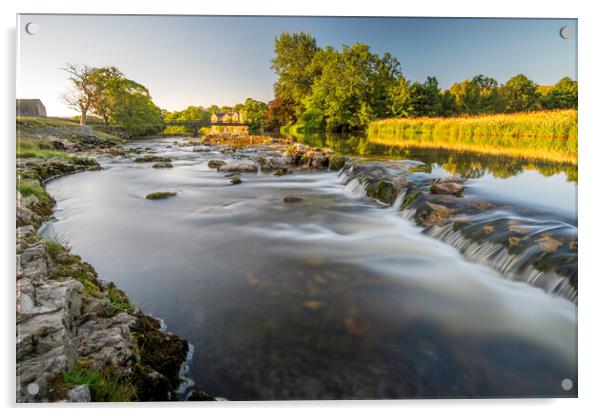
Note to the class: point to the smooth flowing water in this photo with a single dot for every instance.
(334, 296)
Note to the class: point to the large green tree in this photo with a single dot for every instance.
(354, 87)
(564, 94)
(105, 81)
(520, 94)
(133, 109)
(255, 113)
(294, 53)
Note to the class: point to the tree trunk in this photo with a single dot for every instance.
(82, 119)
(106, 118)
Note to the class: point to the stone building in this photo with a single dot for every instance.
(231, 117)
(30, 107)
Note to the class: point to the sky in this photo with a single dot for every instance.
(204, 60)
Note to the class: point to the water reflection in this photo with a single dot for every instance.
(469, 164)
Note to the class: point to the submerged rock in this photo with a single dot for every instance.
(292, 199)
(160, 195)
(215, 164)
(151, 158)
(282, 172)
(162, 165)
(433, 213)
(200, 396)
(235, 180)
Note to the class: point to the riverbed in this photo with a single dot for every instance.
(333, 296)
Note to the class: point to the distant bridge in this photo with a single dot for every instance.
(197, 124)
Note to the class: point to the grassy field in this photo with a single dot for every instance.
(545, 135)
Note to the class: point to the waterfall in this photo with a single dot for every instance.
(512, 266)
(399, 200)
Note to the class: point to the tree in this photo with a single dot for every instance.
(564, 94)
(81, 95)
(476, 96)
(426, 98)
(104, 81)
(213, 109)
(191, 113)
(255, 113)
(400, 99)
(280, 112)
(293, 66)
(520, 94)
(354, 87)
(466, 96)
(133, 110)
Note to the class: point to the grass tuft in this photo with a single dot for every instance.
(56, 245)
(28, 189)
(103, 388)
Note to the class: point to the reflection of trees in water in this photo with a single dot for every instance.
(468, 164)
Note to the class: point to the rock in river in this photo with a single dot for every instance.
(162, 165)
(236, 165)
(215, 164)
(160, 195)
(450, 188)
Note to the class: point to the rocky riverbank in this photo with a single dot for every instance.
(78, 338)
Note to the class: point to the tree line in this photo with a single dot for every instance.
(107, 94)
(336, 90)
(320, 88)
(254, 113)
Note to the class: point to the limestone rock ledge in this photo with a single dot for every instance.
(67, 318)
(79, 338)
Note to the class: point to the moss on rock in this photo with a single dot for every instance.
(336, 162)
(160, 195)
(151, 158)
(382, 191)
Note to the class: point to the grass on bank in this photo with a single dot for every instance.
(547, 135)
(27, 189)
(102, 387)
(34, 134)
(56, 245)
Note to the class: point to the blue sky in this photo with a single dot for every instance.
(203, 60)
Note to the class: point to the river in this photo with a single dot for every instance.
(334, 296)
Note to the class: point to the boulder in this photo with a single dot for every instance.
(290, 199)
(450, 188)
(215, 164)
(161, 165)
(236, 165)
(382, 191)
(79, 394)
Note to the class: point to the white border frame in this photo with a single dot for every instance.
(590, 348)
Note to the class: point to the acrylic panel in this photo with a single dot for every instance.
(295, 208)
